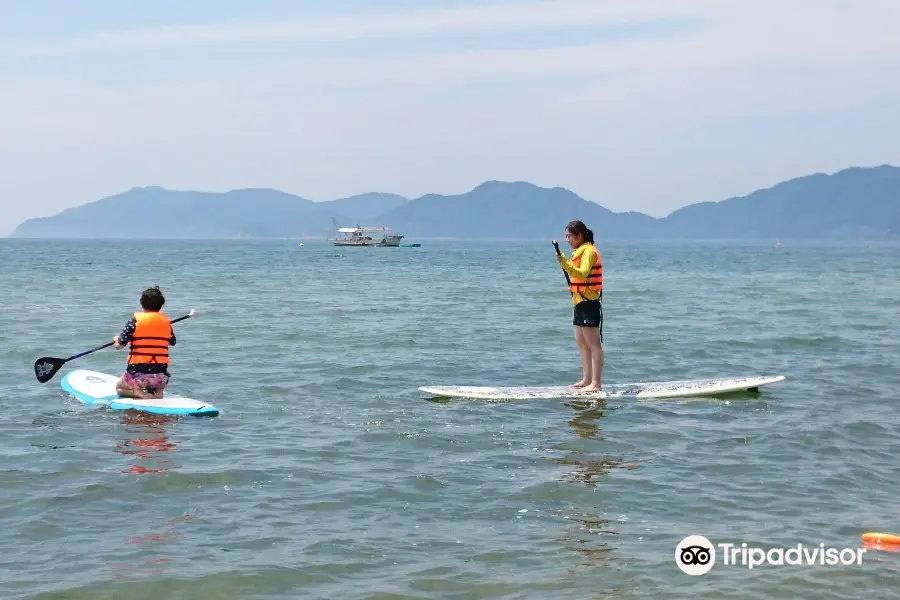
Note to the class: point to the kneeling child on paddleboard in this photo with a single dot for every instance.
(149, 333)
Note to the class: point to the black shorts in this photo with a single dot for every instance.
(588, 314)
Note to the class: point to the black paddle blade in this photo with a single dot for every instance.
(46, 367)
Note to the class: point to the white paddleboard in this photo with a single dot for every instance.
(95, 388)
(649, 389)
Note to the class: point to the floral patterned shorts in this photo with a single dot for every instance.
(146, 381)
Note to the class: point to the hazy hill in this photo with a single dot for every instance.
(851, 204)
(498, 209)
(365, 207)
(257, 213)
(157, 212)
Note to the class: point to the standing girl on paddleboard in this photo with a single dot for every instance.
(585, 272)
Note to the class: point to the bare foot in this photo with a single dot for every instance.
(580, 384)
(134, 393)
(591, 388)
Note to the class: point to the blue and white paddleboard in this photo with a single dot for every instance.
(99, 389)
(690, 388)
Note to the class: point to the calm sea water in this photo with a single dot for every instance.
(327, 476)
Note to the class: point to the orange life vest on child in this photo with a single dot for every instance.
(150, 341)
(594, 281)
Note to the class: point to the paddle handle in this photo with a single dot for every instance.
(187, 316)
(558, 253)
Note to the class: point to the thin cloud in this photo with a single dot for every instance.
(706, 66)
(801, 33)
(751, 37)
(470, 19)
(764, 35)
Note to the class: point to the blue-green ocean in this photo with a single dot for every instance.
(327, 475)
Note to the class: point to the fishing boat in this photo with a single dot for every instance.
(364, 236)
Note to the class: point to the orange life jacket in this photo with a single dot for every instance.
(594, 279)
(150, 341)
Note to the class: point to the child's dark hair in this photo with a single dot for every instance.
(152, 299)
(579, 228)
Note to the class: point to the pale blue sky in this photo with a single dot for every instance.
(639, 105)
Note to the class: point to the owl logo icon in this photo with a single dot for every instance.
(695, 555)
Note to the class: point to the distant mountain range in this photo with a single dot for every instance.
(855, 203)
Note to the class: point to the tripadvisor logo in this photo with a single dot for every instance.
(696, 555)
